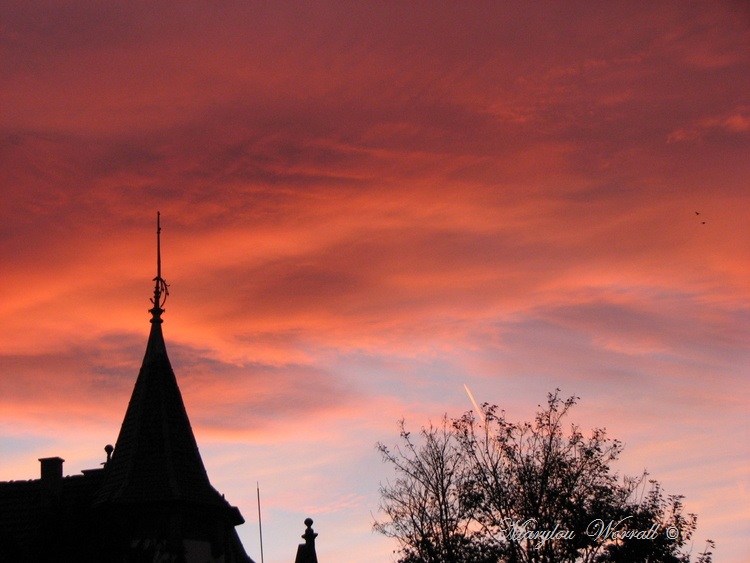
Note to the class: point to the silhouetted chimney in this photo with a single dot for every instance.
(52, 468)
(306, 551)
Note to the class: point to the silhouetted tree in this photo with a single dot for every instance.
(427, 506)
(493, 490)
(675, 528)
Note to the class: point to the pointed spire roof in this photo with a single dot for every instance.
(156, 457)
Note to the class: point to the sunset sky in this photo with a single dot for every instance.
(365, 206)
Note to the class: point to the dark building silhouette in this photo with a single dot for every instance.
(152, 500)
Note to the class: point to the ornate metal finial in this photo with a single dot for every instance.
(161, 289)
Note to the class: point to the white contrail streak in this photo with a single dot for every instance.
(482, 416)
(479, 411)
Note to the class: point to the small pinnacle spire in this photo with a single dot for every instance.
(161, 289)
(306, 551)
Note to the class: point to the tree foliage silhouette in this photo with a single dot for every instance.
(429, 506)
(490, 490)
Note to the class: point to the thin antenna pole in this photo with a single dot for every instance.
(260, 523)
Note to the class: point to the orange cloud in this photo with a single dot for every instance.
(364, 208)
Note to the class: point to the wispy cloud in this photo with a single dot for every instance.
(363, 208)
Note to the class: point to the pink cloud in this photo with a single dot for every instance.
(365, 208)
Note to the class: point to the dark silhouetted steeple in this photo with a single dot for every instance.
(150, 502)
(156, 456)
(156, 487)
